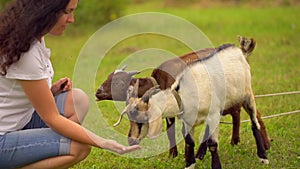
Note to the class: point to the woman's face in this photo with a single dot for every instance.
(66, 18)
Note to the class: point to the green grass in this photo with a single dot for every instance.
(274, 65)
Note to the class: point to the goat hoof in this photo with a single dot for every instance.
(264, 161)
(201, 151)
(235, 141)
(200, 156)
(173, 153)
(192, 166)
(267, 146)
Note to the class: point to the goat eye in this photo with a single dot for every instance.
(135, 113)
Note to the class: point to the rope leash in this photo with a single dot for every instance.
(277, 94)
(267, 117)
(275, 115)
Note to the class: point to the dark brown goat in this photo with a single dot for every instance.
(117, 83)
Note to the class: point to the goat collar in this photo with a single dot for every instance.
(178, 99)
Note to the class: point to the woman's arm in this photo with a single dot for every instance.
(42, 100)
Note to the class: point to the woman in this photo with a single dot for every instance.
(40, 122)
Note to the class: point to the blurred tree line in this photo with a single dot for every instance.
(97, 13)
(94, 12)
(100, 12)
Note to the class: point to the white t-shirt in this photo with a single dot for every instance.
(15, 108)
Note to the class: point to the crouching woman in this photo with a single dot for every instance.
(40, 122)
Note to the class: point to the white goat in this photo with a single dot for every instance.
(200, 94)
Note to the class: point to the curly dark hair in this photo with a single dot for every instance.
(23, 21)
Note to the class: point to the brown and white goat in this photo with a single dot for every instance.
(200, 94)
(117, 83)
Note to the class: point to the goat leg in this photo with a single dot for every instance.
(203, 146)
(261, 152)
(213, 148)
(250, 107)
(201, 151)
(235, 138)
(189, 153)
(263, 132)
(171, 136)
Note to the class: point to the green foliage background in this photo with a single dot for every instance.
(99, 12)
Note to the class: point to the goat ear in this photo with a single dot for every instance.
(149, 93)
(155, 122)
(136, 88)
(133, 90)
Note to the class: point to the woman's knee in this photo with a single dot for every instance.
(77, 105)
(79, 151)
(80, 101)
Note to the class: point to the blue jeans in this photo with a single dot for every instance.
(35, 142)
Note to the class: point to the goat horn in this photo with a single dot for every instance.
(123, 67)
(120, 118)
(132, 73)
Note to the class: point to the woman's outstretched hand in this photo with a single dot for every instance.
(114, 146)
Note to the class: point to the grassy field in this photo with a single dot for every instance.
(274, 65)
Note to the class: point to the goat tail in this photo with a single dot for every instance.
(246, 45)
